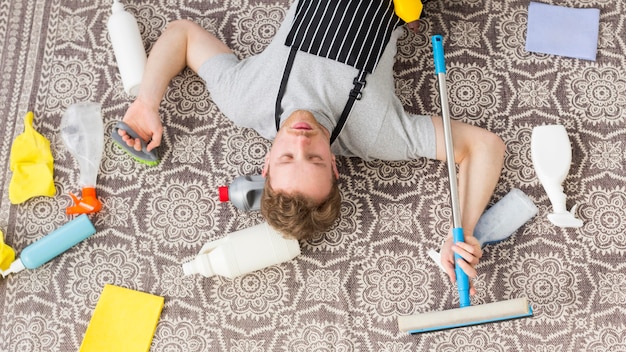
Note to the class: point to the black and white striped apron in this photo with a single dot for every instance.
(353, 32)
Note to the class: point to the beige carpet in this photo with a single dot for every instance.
(345, 291)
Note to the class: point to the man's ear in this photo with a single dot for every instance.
(335, 171)
(266, 165)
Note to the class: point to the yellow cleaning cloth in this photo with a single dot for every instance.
(32, 165)
(7, 254)
(124, 320)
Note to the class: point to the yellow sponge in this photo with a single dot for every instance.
(124, 320)
(7, 254)
(32, 165)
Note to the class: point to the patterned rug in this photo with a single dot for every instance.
(345, 291)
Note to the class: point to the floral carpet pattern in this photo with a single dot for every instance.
(344, 292)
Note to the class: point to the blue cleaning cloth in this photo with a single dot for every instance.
(563, 31)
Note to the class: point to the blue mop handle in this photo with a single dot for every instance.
(462, 279)
(440, 61)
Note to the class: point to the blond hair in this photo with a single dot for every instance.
(296, 216)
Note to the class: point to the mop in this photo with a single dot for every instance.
(466, 315)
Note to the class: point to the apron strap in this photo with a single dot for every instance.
(283, 85)
(353, 32)
(355, 94)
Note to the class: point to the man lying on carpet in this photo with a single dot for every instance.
(299, 91)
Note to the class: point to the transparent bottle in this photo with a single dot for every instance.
(505, 217)
(82, 133)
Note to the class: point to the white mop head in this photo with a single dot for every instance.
(472, 315)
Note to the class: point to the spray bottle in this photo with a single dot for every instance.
(53, 244)
(128, 47)
(83, 135)
(244, 192)
(242, 252)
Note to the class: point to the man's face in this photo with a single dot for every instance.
(300, 158)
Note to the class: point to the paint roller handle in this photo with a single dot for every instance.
(462, 280)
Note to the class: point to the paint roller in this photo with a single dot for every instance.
(466, 315)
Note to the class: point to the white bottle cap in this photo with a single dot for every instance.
(190, 268)
(200, 265)
(15, 267)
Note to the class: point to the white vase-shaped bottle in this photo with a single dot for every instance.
(128, 47)
(551, 154)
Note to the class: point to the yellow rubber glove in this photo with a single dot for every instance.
(7, 254)
(32, 165)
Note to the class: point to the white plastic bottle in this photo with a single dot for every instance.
(244, 192)
(551, 154)
(128, 47)
(243, 252)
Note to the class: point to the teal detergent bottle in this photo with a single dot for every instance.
(50, 246)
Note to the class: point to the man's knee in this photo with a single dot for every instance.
(493, 144)
(180, 25)
(474, 140)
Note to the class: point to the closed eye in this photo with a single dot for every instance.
(286, 157)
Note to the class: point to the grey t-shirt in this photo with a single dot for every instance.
(377, 128)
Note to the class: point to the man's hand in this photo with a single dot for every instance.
(469, 250)
(145, 120)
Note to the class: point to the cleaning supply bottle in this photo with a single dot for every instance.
(53, 244)
(82, 133)
(32, 165)
(408, 10)
(128, 47)
(242, 252)
(244, 192)
(551, 154)
(505, 217)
